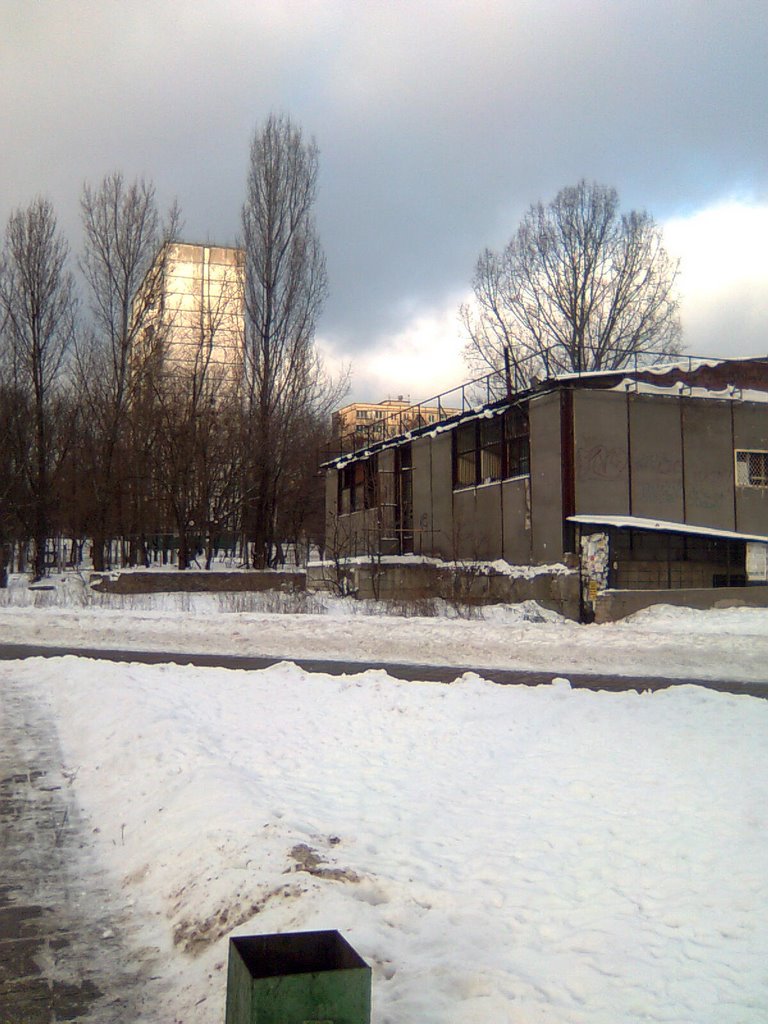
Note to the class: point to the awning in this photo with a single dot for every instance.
(662, 526)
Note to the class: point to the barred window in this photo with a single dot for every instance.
(518, 454)
(346, 481)
(491, 445)
(752, 469)
(491, 449)
(465, 466)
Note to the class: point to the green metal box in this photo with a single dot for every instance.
(297, 978)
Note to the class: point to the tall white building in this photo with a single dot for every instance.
(195, 325)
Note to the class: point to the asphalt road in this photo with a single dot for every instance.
(432, 673)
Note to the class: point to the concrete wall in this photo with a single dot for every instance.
(189, 581)
(546, 479)
(516, 520)
(616, 604)
(392, 581)
(601, 465)
(708, 463)
(750, 431)
(657, 460)
(669, 458)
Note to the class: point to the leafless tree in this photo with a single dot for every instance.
(285, 286)
(579, 287)
(197, 396)
(38, 315)
(122, 262)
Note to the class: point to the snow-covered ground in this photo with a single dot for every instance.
(725, 643)
(495, 853)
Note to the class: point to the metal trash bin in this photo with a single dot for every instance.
(297, 978)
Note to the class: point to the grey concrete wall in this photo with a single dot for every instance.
(546, 480)
(750, 431)
(488, 528)
(464, 517)
(442, 495)
(190, 581)
(616, 604)
(516, 516)
(600, 452)
(656, 458)
(708, 463)
(462, 586)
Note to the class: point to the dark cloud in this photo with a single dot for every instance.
(438, 123)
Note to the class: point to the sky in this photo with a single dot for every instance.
(438, 124)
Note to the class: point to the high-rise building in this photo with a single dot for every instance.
(192, 304)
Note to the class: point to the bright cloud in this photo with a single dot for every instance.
(723, 276)
(422, 359)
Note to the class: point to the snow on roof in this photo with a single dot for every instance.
(663, 526)
(685, 364)
(730, 393)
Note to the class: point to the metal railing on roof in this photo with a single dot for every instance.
(518, 375)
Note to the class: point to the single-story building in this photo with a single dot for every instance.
(654, 478)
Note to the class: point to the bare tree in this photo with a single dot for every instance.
(579, 287)
(285, 286)
(37, 303)
(122, 263)
(197, 399)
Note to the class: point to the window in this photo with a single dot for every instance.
(465, 463)
(359, 486)
(346, 478)
(751, 469)
(516, 435)
(491, 449)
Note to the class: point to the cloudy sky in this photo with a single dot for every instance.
(438, 124)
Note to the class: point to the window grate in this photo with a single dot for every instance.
(751, 469)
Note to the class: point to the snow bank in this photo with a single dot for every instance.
(495, 853)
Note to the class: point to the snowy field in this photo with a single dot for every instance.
(725, 643)
(495, 853)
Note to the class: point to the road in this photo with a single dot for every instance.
(432, 673)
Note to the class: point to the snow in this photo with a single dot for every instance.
(494, 853)
(641, 523)
(730, 393)
(660, 642)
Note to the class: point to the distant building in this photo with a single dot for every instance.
(363, 423)
(195, 326)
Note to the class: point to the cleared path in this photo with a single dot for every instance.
(63, 941)
(433, 673)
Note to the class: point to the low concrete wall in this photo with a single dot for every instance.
(616, 604)
(558, 591)
(190, 581)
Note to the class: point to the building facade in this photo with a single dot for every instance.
(193, 304)
(363, 423)
(654, 479)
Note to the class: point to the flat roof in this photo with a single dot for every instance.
(663, 526)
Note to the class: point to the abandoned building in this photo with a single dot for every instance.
(645, 480)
